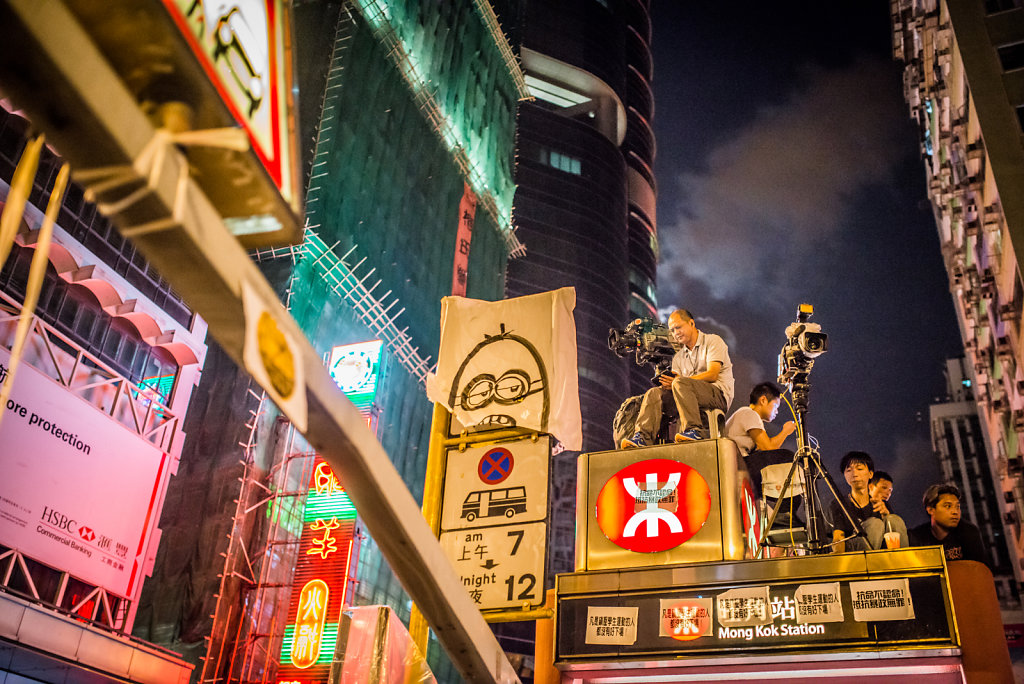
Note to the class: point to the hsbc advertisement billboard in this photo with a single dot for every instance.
(77, 489)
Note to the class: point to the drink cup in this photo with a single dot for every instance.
(892, 540)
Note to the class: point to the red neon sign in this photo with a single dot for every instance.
(653, 505)
(309, 623)
(327, 551)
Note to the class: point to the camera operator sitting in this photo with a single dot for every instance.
(746, 427)
(700, 379)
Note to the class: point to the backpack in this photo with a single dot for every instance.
(624, 424)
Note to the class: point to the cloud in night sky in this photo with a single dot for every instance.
(781, 186)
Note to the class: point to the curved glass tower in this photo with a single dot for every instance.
(585, 186)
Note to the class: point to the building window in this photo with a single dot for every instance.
(562, 162)
(74, 310)
(1011, 56)
(1020, 116)
(993, 6)
(551, 93)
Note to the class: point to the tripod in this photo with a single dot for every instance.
(806, 459)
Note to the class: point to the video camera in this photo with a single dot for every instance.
(648, 339)
(804, 343)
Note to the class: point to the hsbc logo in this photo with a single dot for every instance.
(653, 505)
(86, 533)
(57, 519)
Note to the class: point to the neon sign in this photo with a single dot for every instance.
(653, 505)
(309, 625)
(327, 550)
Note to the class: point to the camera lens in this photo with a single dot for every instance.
(813, 343)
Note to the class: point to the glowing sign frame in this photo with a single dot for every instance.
(356, 368)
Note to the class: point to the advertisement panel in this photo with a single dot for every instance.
(77, 489)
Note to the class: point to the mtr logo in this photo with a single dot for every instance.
(653, 505)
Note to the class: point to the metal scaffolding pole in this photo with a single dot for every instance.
(140, 179)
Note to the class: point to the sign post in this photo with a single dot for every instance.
(494, 521)
(498, 548)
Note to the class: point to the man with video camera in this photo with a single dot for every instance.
(700, 379)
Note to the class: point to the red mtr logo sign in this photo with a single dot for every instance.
(653, 505)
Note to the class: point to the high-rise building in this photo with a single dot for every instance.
(409, 199)
(964, 82)
(585, 196)
(92, 433)
(959, 444)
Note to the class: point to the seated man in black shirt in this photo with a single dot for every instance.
(872, 512)
(959, 539)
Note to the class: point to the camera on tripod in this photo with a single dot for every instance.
(648, 339)
(804, 343)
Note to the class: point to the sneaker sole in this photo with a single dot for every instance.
(680, 438)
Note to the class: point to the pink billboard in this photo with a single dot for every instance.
(78, 490)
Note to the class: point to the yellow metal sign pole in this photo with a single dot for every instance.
(433, 493)
(433, 490)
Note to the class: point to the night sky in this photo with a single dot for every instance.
(789, 172)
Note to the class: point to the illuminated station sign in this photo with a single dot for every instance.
(681, 504)
(327, 550)
(751, 606)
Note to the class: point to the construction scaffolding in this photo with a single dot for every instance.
(248, 624)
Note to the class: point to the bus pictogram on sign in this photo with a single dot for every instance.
(653, 505)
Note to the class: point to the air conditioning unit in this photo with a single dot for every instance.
(1009, 312)
(988, 283)
(1003, 349)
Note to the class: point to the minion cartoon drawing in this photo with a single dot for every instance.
(502, 382)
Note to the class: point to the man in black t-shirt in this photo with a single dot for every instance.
(959, 539)
(867, 505)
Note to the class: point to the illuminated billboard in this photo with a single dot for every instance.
(78, 490)
(327, 549)
(356, 368)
